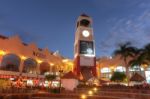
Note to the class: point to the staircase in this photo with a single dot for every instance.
(86, 73)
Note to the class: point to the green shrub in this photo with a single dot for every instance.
(55, 90)
(118, 77)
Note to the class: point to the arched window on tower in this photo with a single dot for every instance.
(85, 23)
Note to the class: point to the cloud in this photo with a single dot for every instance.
(135, 29)
(145, 4)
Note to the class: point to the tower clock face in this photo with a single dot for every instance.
(85, 33)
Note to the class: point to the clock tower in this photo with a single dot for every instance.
(84, 48)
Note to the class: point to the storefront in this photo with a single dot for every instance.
(27, 61)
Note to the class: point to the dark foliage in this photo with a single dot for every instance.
(118, 76)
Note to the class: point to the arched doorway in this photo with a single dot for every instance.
(10, 62)
(30, 66)
(44, 67)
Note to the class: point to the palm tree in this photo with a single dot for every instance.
(146, 52)
(50, 77)
(139, 59)
(118, 77)
(126, 51)
(142, 57)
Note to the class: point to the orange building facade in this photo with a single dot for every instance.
(18, 58)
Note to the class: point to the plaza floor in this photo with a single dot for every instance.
(100, 94)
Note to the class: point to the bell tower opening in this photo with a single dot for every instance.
(85, 23)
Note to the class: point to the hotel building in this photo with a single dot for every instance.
(27, 60)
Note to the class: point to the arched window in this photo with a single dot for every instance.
(30, 66)
(10, 62)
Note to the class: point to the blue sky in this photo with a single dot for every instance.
(51, 23)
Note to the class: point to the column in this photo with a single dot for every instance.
(21, 66)
(38, 69)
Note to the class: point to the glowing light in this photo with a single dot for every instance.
(89, 55)
(23, 57)
(112, 68)
(70, 63)
(83, 96)
(85, 33)
(90, 92)
(51, 64)
(65, 60)
(144, 65)
(95, 89)
(39, 61)
(2, 52)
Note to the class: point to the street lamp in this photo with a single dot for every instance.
(60, 72)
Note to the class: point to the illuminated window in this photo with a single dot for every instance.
(105, 70)
(120, 69)
(136, 68)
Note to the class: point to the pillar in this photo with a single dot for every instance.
(21, 66)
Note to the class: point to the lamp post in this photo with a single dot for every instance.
(60, 72)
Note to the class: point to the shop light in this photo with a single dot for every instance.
(23, 57)
(83, 96)
(39, 61)
(90, 92)
(51, 64)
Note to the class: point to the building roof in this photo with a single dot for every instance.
(23, 43)
(137, 77)
(3, 37)
(70, 75)
(84, 15)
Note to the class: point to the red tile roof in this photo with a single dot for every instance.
(137, 77)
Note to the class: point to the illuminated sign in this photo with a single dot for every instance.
(86, 47)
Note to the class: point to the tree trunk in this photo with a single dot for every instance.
(140, 69)
(127, 70)
(127, 73)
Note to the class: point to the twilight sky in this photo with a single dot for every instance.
(51, 23)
